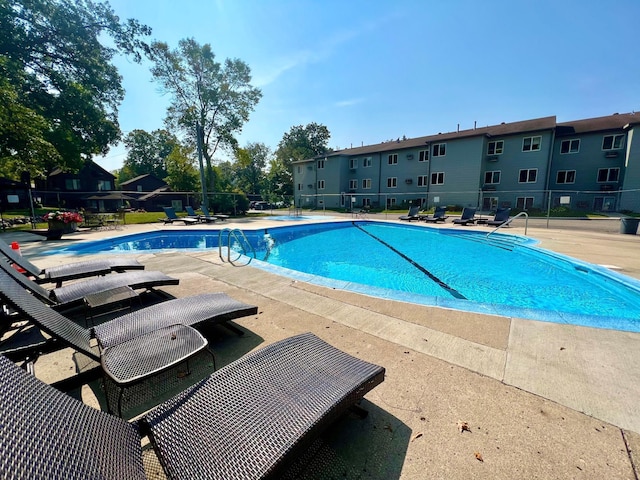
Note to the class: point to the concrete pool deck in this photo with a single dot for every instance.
(542, 400)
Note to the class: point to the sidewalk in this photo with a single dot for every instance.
(541, 400)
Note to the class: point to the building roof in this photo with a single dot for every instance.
(135, 179)
(503, 129)
(87, 164)
(617, 121)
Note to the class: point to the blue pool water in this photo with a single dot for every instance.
(502, 274)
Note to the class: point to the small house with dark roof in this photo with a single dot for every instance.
(152, 193)
(72, 190)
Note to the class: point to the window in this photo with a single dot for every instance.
(492, 177)
(353, 184)
(139, 188)
(570, 146)
(104, 185)
(320, 164)
(437, 178)
(392, 182)
(353, 163)
(528, 175)
(299, 186)
(524, 203)
(366, 202)
(423, 156)
(320, 184)
(439, 149)
(299, 169)
(391, 202)
(608, 174)
(72, 184)
(366, 183)
(393, 159)
(495, 148)
(566, 176)
(612, 142)
(422, 180)
(531, 144)
(366, 162)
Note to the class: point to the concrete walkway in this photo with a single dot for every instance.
(542, 400)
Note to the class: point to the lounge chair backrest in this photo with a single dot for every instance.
(47, 434)
(502, 214)
(170, 213)
(439, 212)
(8, 252)
(205, 210)
(25, 282)
(413, 211)
(45, 317)
(468, 213)
(190, 211)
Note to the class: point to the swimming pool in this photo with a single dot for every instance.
(451, 268)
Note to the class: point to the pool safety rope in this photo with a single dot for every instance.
(449, 289)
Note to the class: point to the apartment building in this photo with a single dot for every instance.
(590, 164)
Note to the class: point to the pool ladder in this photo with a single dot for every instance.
(521, 214)
(237, 237)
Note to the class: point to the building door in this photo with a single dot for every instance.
(604, 204)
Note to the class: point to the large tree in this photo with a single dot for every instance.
(58, 81)
(303, 142)
(182, 175)
(210, 101)
(147, 153)
(249, 167)
(300, 143)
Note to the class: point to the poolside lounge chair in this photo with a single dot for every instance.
(71, 271)
(501, 216)
(439, 215)
(249, 420)
(467, 217)
(412, 214)
(74, 293)
(205, 210)
(201, 218)
(172, 217)
(137, 336)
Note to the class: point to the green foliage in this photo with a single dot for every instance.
(210, 101)
(279, 181)
(249, 166)
(302, 143)
(182, 173)
(59, 91)
(147, 153)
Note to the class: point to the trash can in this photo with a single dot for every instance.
(629, 225)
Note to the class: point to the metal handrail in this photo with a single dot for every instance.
(526, 223)
(242, 240)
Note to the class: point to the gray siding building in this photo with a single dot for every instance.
(590, 164)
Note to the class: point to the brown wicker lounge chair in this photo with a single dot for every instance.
(74, 293)
(249, 420)
(139, 334)
(71, 271)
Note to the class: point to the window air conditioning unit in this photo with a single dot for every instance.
(409, 156)
(611, 155)
(408, 181)
(492, 159)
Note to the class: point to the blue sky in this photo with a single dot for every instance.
(376, 70)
